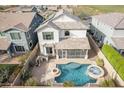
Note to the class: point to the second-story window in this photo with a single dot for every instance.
(67, 33)
(15, 36)
(48, 36)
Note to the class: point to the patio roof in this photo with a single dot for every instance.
(4, 44)
(119, 42)
(73, 43)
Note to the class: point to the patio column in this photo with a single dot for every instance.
(86, 55)
(9, 53)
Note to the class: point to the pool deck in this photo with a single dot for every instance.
(53, 62)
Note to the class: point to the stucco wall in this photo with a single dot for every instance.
(106, 29)
(73, 33)
(64, 18)
(21, 42)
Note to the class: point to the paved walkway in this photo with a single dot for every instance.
(40, 71)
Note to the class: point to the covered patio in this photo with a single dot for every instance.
(72, 48)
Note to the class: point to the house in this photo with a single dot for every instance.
(109, 29)
(63, 36)
(17, 32)
(53, 7)
(25, 8)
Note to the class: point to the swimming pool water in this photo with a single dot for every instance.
(74, 72)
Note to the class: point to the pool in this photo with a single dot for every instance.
(74, 72)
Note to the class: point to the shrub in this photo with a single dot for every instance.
(100, 62)
(68, 84)
(108, 83)
(25, 75)
(115, 59)
(31, 82)
(5, 72)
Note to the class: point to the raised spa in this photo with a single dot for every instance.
(95, 71)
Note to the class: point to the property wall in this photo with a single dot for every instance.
(112, 73)
(31, 58)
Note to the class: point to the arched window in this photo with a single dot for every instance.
(67, 33)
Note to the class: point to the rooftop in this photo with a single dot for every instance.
(15, 20)
(73, 43)
(4, 44)
(119, 42)
(77, 24)
(116, 20)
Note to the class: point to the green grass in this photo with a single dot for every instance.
(89, 10)
(115, 59)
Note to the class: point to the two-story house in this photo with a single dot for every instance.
(63, 36)
(109, 29)
(17, 32)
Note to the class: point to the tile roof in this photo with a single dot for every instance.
(17, 20)
(119, 42)
(70, 25)
(4, 44)
(73, 43)
(64, 25)
(115, 20)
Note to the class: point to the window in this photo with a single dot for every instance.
(19, 49)
(30, 44)
(49, 50)
(48, 35)
(15, 36)
(67, 33)
(2, 34)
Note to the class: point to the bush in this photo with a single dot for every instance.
(100, 62)
(115, 59)
(68, 84)
(31, 82)
(25, 75)
(108, 83)
(5, 72)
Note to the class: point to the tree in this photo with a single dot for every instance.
(68, 84)
(108, 83)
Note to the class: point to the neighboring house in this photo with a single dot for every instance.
(17, 32)
(109, 29)
(63, 36)
(53, 7)
(32, 8)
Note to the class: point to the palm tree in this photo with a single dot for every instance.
(68, 84)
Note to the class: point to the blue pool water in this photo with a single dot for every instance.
(74, 72)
